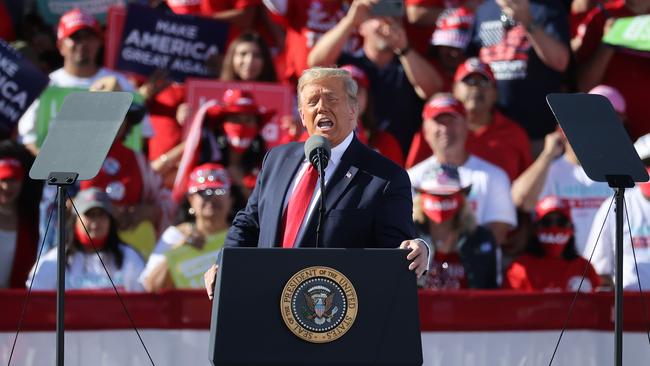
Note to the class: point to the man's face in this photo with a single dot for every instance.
(81, 47)
(450, 57)
(325, 110)
(445, 132)
(477, 93)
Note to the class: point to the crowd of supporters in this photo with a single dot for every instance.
(454, 91)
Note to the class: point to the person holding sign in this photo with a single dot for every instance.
(187, 250)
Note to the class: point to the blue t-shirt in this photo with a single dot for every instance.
(523, 79)
(397, 107)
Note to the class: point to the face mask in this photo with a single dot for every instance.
(440, 209)
(239, 136)
(82, 237)
(554, 239)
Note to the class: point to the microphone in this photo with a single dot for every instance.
(317, 152)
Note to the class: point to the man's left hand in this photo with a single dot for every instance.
(418, 255)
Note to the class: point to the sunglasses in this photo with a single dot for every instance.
(483, 83)
(211, 193)
(560, 221)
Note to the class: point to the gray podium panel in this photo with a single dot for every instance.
(80, 136)
(598, 138)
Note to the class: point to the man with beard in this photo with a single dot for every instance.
(401, 78)
(78, 39)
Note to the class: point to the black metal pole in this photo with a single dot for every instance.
(321, 207)
(60, 275)
(618, 304)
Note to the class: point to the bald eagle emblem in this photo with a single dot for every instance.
(320, 304)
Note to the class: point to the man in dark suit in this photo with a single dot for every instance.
(368, 198)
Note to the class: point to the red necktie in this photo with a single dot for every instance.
(298, 205)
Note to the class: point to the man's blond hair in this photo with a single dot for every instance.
(319, 73)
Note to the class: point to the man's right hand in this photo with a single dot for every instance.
(554, 145)
(209, 278)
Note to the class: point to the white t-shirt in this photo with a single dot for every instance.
(85, 271)
(7, 254)
(603, 260)
(570, 182)
(27, 123)
(489, 197)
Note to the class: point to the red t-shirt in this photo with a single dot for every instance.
(529, 273)
(503, 143)
(386, 144)
(209, 7)
(162, 114)
(627, 72)
(446, 273)
(306, 21)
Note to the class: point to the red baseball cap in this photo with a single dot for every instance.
(358, 75)
(474, 66)
(237, 101)
(76, 20)
(211, 177)
(550, 204)
(443, 104)
(11, 168)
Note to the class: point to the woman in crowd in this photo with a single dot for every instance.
(84, 269)
(551, 262)
(231, 136)
(247, 59)
(186, 251)
(19, 197)
(464, 254)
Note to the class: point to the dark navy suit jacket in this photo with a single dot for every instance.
(368, 202)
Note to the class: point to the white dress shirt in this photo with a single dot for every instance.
(335, 159)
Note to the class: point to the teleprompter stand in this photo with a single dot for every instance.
(77, 143)
(606, 153)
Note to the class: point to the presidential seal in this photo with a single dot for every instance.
(319, 304)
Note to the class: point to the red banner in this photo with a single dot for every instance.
(439, 311)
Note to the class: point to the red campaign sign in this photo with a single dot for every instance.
(271, 96)
(114, 27)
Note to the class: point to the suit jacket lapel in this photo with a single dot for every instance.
(281, 184)
(336, 186)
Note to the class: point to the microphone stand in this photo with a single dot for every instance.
(321, 207)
